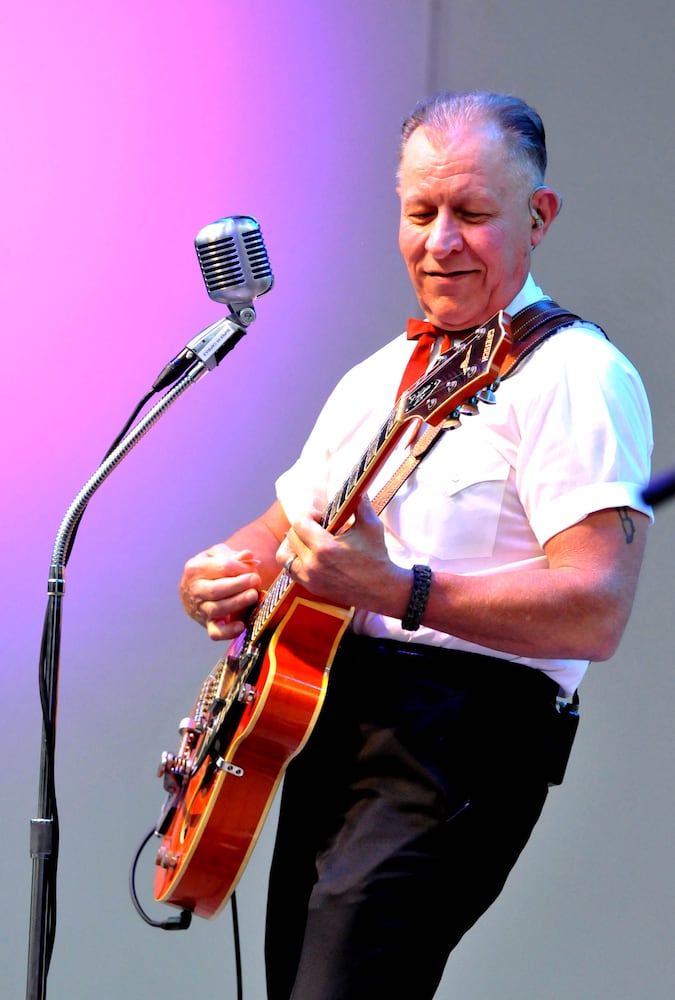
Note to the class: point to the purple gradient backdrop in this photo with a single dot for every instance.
(131, 126)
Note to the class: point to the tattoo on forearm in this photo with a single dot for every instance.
(627, 524)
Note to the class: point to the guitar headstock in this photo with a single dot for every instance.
(460, 374)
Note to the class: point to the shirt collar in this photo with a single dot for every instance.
(529, 293)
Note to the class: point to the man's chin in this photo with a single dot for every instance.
(456, 319)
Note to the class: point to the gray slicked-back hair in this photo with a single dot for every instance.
(520, 125)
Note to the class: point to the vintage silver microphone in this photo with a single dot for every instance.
(235, 267)
(234, 262)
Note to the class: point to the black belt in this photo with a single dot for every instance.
(489, 675)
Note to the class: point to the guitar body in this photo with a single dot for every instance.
(213, 818)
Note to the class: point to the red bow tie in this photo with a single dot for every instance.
(422, 328)
(426, 336)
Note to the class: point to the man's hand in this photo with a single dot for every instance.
(218, 587)
(351, 568)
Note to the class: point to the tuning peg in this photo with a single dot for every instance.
(469, 407)
(486, 395)
(452, 421)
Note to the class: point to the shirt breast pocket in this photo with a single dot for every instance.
(456, 497)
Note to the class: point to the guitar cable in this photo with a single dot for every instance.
(184, 918)
(179, 923)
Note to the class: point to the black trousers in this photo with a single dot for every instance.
(402, 817)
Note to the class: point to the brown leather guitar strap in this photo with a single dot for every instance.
(529, 328)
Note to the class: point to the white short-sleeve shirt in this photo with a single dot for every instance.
(568, 434)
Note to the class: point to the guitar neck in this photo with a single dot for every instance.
(456, 378)
(337, 512)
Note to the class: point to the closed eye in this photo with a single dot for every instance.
(422, 215)
(475, 216)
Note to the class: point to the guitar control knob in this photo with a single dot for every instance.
(172, 771)
(189, 725)
(166, 763)
(166, 858)
(248, 694)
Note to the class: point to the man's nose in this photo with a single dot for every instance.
(445, 236)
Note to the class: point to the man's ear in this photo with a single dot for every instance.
(545, 204)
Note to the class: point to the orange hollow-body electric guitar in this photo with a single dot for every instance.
(258, 706)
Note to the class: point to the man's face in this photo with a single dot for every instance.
(465, 225)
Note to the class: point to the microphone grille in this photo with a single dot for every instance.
(233, 259)
(256, 252)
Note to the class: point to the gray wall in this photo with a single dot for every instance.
(589, 911)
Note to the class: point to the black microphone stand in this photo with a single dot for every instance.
(206, 351)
